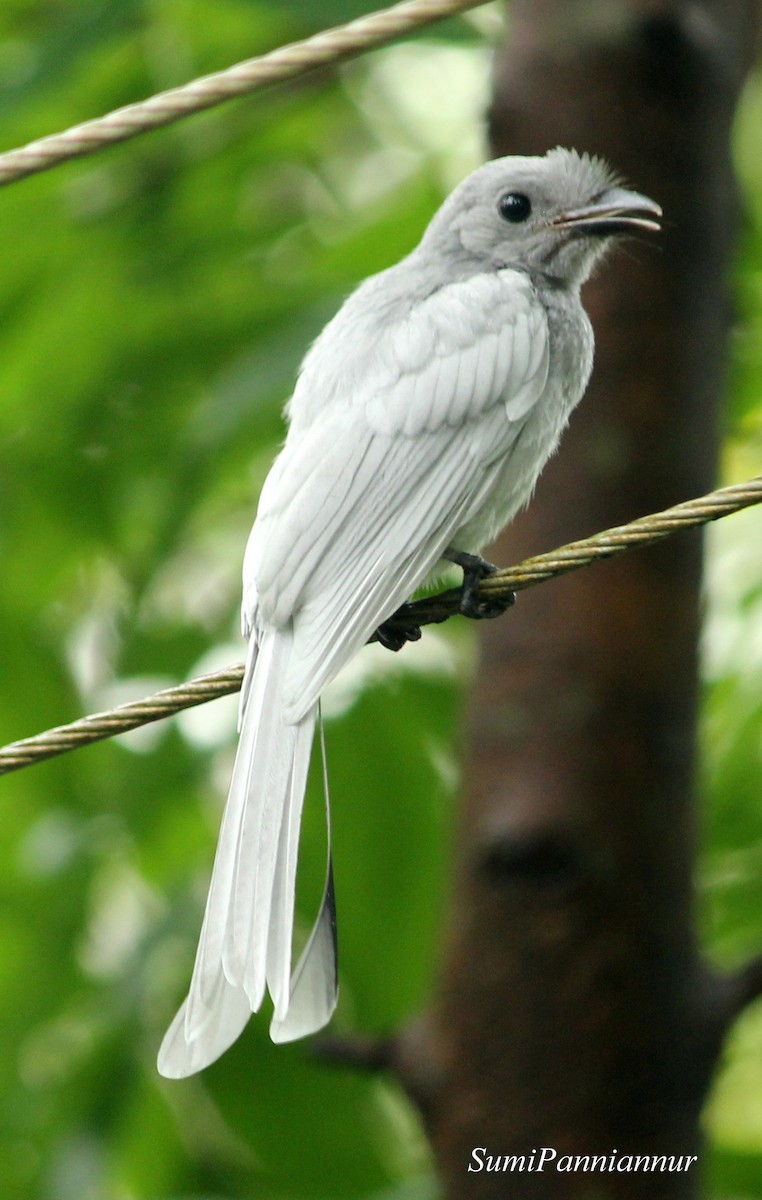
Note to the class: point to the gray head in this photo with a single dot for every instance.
(551, 216)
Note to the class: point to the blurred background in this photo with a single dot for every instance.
(155, 301)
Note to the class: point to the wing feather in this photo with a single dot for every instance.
(366, 497)
(381, 574)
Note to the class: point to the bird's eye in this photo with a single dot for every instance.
(514, 207)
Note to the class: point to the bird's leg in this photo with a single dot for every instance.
(475, 569)
(392, 637)
(401, 627)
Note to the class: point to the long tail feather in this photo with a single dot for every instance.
(278, 966)
(246, 935)
(314, 988)
(179, 1057)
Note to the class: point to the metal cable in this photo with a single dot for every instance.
(534, 570)
(326, 48)
(626, 537)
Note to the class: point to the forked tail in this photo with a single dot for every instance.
(245, 942)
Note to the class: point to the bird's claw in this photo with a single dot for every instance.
(400, 628)
(392, 637)
(473, 605)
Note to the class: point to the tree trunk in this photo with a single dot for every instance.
(575, 1013)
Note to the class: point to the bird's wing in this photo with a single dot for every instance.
(359, 507)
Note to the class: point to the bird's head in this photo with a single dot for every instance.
(551, 217)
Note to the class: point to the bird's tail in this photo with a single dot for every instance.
(245, 943)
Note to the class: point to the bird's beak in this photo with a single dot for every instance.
(614, 211)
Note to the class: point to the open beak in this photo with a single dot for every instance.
(615, 211)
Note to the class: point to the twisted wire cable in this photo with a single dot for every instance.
(571, 557)
(639, 532)
(328, 47)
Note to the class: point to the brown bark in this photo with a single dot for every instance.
(575, 1012)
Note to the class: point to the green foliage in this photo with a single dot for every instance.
(731, 879)
(155, 301)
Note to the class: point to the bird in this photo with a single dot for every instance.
(419, 422)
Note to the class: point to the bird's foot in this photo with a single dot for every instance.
(403, 626)
(392, 635)
(474, 569)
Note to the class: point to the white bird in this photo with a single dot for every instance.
(420, 421)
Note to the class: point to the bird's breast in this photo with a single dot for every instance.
(571, 346)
